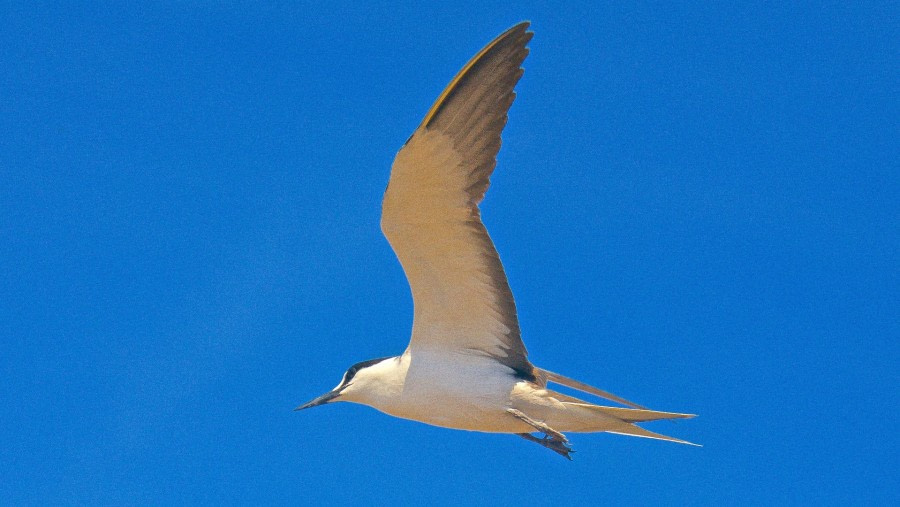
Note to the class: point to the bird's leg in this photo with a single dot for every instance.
(543, 428)
(553, 440)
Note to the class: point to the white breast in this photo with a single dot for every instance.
(452, 390)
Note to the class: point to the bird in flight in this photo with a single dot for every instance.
(466, 366)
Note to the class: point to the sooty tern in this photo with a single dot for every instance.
(466, 366)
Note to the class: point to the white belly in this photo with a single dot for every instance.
(460, 392)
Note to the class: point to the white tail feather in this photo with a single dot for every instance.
(636, 415)
(637, 431)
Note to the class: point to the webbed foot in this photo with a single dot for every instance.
(560, 447)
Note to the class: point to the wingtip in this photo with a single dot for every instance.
(524, 28)
(523, 25)
(518, 31)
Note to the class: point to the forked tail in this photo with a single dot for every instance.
(628, 416)
(589, 418)
(609, 419)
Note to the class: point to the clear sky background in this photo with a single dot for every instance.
(697, 207)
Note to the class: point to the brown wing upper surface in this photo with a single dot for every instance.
(430, 216)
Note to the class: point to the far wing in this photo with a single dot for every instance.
(430, 212)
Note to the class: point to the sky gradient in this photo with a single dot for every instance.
(696, 206)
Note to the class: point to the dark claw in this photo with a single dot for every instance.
(560, 448)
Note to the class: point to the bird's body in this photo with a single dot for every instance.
(467, 393)
(476, 393)
(466, 366)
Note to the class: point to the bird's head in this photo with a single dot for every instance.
(354, 381)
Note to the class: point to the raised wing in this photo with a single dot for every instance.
(430, 212)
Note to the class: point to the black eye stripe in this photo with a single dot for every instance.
(358, 366)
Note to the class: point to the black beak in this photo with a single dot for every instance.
(321, 400)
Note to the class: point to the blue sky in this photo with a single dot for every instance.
(696, 205)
